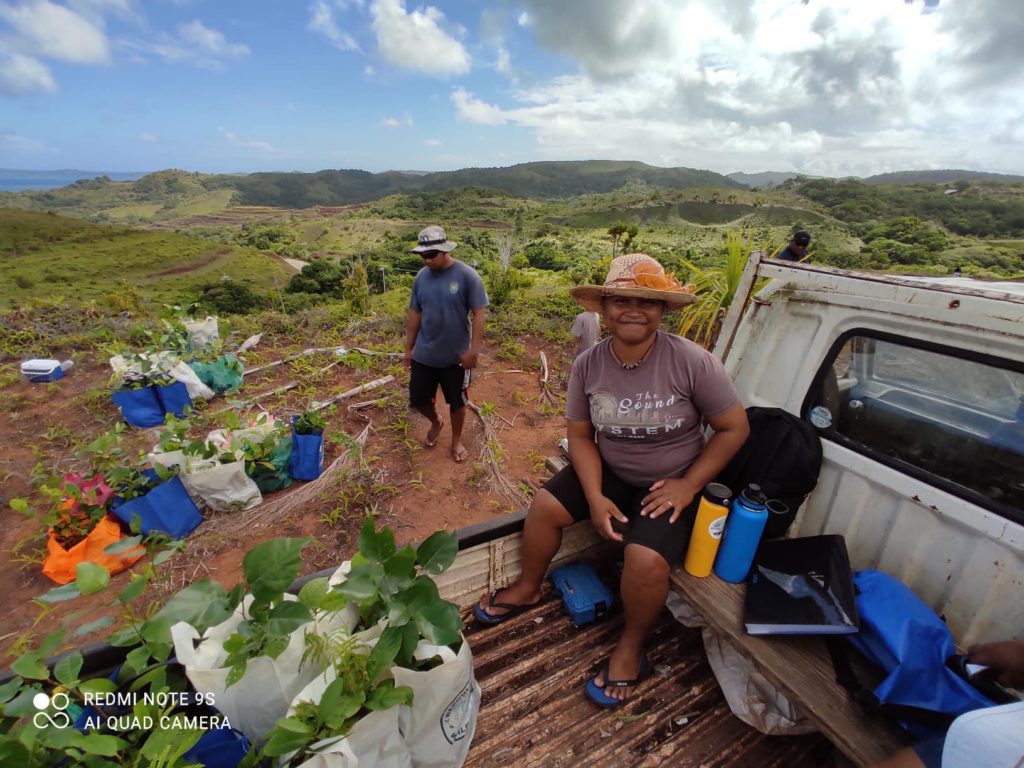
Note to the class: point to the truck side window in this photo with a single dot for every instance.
(949, 419)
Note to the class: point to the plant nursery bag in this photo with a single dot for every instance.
(265, 691)
(275, 479)
(375, 740)
(438, 726)
(139, 407)
(60, 563)
(223, 487)
(307, 459)
(222, 375)
(168, 508)
(174, 398)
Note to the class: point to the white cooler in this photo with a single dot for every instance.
(42, 370)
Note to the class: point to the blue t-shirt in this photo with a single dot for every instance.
(444, 300)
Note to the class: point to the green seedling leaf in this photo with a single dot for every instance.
(122, 545)
(97, 685)
(439, 622)
(382, 657)
(134, 589)
(51, 642)
(124, 636)
(21, 507)
(13, 753)
(284, 740)
(399, 570)
(30, 666)
(136, 660)
(202, 604)
(286, 617)
(376, 546)
(359, 587)
(274, 646)
(313, 593)
(60, 594)
(8, 689)
(437, 552)
(166, 746)
(91, 578)
(164, 555)
(100, 744)
(270, 567)
(386, 695)
(93, 626)
(67, 669)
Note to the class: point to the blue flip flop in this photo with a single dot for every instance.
(510, 610)
(596, 692)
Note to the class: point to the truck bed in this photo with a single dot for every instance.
(532, 670)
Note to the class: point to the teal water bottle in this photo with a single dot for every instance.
(743, 530)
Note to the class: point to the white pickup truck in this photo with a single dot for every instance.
(917, 390)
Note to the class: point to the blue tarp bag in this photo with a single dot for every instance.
(139, 407)
(168, 507)
(218, 748)
(174, 398)
(307, 459)
(905, 638)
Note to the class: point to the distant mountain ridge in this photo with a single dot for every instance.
(944, 176)
(762, 179)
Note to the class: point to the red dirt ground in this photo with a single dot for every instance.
(423, 488)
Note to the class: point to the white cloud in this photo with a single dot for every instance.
(51, 31)
(147, 137)
(415, 40)
(474, 110)
(504, 62)
(369, 71)
(24, 74)
(210, 41)
(13, 142)
(321, 20)
(247, 143)
(195, 44)
(432, 143)
(851, 85)
(398, 122)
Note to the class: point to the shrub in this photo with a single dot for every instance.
(230, 297)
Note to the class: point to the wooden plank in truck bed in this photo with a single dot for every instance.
(532, 670)
(799, 666)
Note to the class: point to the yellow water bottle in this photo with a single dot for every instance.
(707, 529)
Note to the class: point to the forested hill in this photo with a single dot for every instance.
(945, 176)
(543, 180)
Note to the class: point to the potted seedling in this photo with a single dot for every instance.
(307, 460)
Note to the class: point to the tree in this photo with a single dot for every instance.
(616, 231)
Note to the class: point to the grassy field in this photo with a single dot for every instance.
(45, 255)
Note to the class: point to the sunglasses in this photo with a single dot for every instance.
(429, 254)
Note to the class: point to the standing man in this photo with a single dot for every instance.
(441, 346)
(587, 330)
(797, 248)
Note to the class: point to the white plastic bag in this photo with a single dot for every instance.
(374, 742)
(202, 333)
(222, 487)
(438, 726)
(265, 691)
(156, 457)
(168, 363)
(750, 696)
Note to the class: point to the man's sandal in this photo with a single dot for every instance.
(483, 616)
(596, 693)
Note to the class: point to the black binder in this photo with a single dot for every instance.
(801, 586)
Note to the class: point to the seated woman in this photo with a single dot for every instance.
(645, 395)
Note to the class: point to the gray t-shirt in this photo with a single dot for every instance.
(444, 300)
(587, 326)
(649, 420)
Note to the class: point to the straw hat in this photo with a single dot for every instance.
(636, 274)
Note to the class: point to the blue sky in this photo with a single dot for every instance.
(828, 87)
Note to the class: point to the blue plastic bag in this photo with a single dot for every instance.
(168, 507)
(139, 407)
(218, 748)
(903, 636)
(174, 398)
(307, 459)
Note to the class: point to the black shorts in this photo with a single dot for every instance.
(667, 539)
(424, 380)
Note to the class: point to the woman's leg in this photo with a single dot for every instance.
(542, 536)
(644, 589)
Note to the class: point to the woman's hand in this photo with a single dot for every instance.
(673, 494)
(602, 512)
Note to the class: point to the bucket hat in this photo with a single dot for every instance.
(433, 238)
(636, 275)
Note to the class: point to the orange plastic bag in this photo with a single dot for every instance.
(60, 563)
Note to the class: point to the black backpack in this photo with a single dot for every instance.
(783, 456)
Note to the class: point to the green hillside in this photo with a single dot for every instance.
(46, 255)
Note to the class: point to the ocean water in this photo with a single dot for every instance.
(12, 181)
